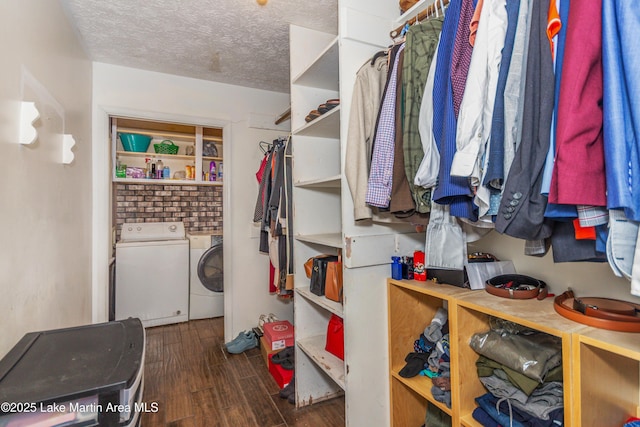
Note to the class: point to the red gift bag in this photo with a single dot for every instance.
(335, 337)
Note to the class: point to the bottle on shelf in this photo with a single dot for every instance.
(220, 171)
(212, 171)
(121, 170)
(159, 169)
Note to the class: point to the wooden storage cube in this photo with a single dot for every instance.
(606, 377)
(473, 314)
(412, 305)
(467, 385)
(413, 312)
(408, 407)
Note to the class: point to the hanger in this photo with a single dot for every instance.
(265, 147)
(378, 55)
(428, 12)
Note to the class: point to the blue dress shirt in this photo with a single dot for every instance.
(450, 190)
(621, 104)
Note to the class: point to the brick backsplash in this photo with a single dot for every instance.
(199, 207)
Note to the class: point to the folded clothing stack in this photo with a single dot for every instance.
(322, 108)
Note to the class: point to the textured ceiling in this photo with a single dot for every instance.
(229, 41)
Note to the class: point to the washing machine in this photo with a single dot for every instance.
(152, 273)
(206, 278)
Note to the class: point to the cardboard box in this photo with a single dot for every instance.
(278, 334)
(282, 376)
(265, 349)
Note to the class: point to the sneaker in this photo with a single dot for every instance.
(244, 341)
(261, 321)
(237, 339)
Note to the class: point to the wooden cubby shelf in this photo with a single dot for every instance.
(601, 369)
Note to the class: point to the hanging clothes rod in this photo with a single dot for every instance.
(284, 116)
(430, 10)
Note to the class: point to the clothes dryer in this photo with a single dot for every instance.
(152, 273)
(206, 276)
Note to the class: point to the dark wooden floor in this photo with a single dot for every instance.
(196, 383)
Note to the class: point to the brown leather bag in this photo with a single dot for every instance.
(333, 282)
(308, 265)
(319, 274)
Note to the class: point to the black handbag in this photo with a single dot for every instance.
(319, 273)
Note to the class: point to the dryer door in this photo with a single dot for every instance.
(210, 269)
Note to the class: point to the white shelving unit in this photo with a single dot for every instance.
(324, 67)
(317, 206)
(184, 136)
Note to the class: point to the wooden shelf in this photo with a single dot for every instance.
(166, 181)
(327, 304)
(324, 126)
(333, 240)
(327, 362)
(412, 305)
(327, 182)
(152, 154)
(469, 421)
(422, 386)
(429, 287)
(164, 156)
(623, 343)
(323, 71)
(158, 134)
(534, 314)
(606, 372)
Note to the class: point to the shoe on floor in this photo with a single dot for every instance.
(288, 390)
(241, 336)
(243, 342)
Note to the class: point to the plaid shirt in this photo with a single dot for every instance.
(422, 42)
(380, 175)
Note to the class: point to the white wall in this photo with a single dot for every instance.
(587, 279)
(45, 237)
(239, 110)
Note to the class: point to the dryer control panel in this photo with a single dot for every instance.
(152, 231)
